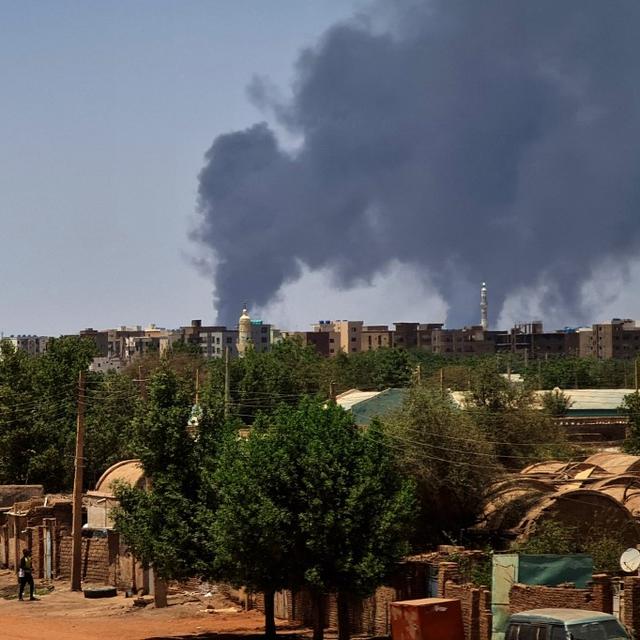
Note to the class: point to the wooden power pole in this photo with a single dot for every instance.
(78, 478)
(227, 384)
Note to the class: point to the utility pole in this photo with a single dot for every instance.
(332, 391)
(227, 384)
(635, 370)
(419, 374)
(76, 531)
(442, 381)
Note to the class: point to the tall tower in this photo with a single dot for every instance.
(244, 331)
(484, 307)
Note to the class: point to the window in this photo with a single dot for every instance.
(264, 339)
(558, 633)
(353, 329)
(353, 350)
(229, 340)
(331, 340)
(331, 350)
(353, 339)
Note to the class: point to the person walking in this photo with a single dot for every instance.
(25, 574)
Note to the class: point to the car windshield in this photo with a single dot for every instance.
(601, 630)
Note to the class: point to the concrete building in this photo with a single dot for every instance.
(105, 364)
(616, 339)
(212, 340)
(405, 335)
(530, 338)
(33, 345)
(376, 337)
(467, 341)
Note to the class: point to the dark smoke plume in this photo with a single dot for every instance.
(495, 140)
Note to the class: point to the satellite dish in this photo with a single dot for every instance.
(630, 560)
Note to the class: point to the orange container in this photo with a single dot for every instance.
(427, 619)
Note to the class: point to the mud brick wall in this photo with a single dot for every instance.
(369, 616)
(631, 612)
(99, 559)
(523, 597)
(469, 597)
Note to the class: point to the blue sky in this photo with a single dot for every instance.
(107, 109)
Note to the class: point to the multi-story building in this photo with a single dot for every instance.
(405, 335)
(33, 345)
(615, 339)
(127, 343)
(425, 332)
(467, 341)
(212, 340)
(531, 339)
(376, 337)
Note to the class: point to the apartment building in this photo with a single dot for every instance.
(467, 341)
(212, 340)
(616, 339)
(33, 345)
(127, 343)
(532, 339)
(376, 337)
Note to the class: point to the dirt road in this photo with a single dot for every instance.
(64, 615)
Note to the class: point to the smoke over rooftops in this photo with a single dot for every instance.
(494, 140)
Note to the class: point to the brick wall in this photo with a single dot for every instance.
(523, 597)
(368, 616)
(100, 559)
(476, 602)
(631, 611)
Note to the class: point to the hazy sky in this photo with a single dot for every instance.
(107, 109)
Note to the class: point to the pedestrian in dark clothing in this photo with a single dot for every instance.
(25, 574)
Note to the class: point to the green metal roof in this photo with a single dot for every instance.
(377, 405)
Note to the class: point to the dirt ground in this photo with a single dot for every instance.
(65, 615)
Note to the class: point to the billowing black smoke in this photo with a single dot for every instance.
(495, 140)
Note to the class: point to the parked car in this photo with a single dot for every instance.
(564, 624)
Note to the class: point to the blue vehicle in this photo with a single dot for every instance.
(564, 624)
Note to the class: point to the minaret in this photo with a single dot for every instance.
(484, 315)
(244, 331)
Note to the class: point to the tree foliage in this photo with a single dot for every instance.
(507, 414)
(163, 526)
(448, 456)
(631, 407)
(325, 506)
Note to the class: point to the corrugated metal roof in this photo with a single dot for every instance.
(594, 399)
(354, 396)
(591, 400)
(367, 405)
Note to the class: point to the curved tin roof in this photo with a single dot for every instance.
(127, 471)
(617, 463)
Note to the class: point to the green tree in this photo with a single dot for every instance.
(556, 403)
(327, 507)
(163, 526)
(254, 520)
(356, 511)
(631, 407)
(112, 402)
(507, 414)
(38, 407)
(447, 455)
